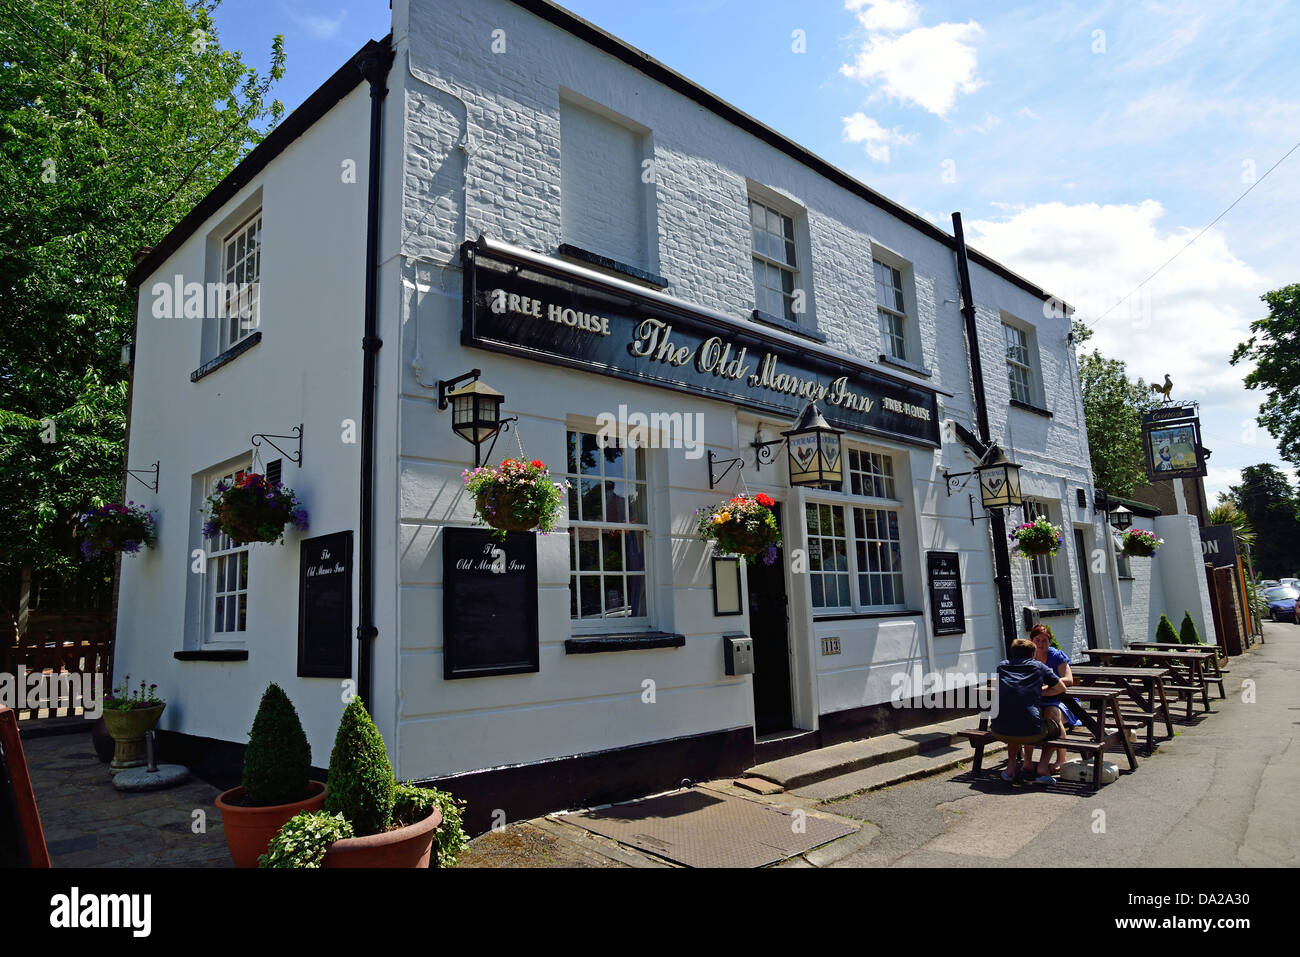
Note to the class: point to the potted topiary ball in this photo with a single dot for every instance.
(276, 785)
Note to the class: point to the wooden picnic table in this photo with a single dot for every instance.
(1215, 650)
(1187, 666)
(1144, 686)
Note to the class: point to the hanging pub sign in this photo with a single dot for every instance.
(525, 305)
(489, 603)
(325, 606)
(947, 614)
(1171, 439)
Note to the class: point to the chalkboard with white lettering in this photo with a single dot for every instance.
(489, 603)
(325, 606)
(947, 614)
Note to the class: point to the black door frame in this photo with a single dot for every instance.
(1085, 589)
(751, 568)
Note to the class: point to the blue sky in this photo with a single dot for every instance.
(1084, 143)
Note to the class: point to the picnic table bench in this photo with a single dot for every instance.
(1106, 712)
(1145, 689)
(1216, 661)
(1187, 666)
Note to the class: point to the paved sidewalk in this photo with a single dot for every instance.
(89, 823)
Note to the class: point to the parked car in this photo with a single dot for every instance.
(1282, 602)
(1292, 582)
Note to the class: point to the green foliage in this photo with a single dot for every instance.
(304, 839)
(361, 782)
(1187, 632)
(1165, 633)
(1267, 499)
(413, 804)
(1227, 513)
(116, 118)
(1274, 350)
(1113, 407)
(277, 761)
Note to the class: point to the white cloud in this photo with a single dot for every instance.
(990, 121)
(928, 66)
(1027, 113)
(885, 16)
(860, 128)
(321, 27)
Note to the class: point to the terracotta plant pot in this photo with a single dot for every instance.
(249, 829)
(128, 729)
(497, 506)
(409, 846)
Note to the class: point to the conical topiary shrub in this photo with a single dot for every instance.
(1165, 633)
(1188, 634)
(277, 761)
(361, 782)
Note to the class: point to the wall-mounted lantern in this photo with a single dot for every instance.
(814, 450)
(475, 411)
(1121, 518)
(999, 481)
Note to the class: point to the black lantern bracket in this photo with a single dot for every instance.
(730, 464)
(503, 425)
(156, 470)
(765, 452)
(295, 457)
(446, 385)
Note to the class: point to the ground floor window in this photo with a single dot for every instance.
(857, 566)
(226, 607)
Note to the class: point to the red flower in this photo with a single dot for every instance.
(765, 500)
(538, 464)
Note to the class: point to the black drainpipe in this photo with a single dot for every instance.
(374, 63)
(997, 520)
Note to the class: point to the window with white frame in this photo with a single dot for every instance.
(891, 310)
(776, 269)
(1019, 371)
(858, 565)
(608, 530)
(241, 270)
(1122, 567)
(226, 582)
(1042, 568)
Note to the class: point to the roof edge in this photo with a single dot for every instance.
(320, 102)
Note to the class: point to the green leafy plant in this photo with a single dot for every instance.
(277, 761)
(304, 839)
(123, 698)
(516, 496)
(361, 782)
(1141, 543)
(1165, 633)
(253, 509)
(1039, 537)
(745, 525)
(413, 804)
(1187, 633)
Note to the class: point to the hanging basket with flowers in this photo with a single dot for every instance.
(1039, 537)
(116, 528)
(516, 496)
(1139, 542)
(743, 526)
(250, 508)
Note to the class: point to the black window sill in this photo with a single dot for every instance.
(1127, 578)
(904, 364)
(216, 654)
(785, 325)
(613, 265)
(234, 352)
(1026, 407)
(869, 614)
(1056, 612)
(637, 641)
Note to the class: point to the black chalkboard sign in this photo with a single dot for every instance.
(489, 603)
(325, 606)
(943, 569)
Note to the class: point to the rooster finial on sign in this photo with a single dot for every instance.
(1165, 389)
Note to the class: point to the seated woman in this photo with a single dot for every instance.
(1019, 719)
(1059, 662)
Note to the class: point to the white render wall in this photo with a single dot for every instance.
(482, 156)
(306, 369)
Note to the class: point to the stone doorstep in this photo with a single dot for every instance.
(889, 773)
(810, 767)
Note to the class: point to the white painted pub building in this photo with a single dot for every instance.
(609, 246)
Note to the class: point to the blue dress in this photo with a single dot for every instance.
(1055, 659)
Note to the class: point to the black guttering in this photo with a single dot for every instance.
(298, 122)
(373, 64)
(590, 33)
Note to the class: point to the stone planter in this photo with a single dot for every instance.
(128, 729)
(249, 829)
(409, 846)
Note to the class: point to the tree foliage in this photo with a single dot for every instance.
(1274, 348)
(1268, 501)
(1112, 407)
(116, 118)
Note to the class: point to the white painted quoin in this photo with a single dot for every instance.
(523, 125)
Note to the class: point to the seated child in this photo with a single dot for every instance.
(1018, 720)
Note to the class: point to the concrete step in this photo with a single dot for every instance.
(908, 768)
(801, 770)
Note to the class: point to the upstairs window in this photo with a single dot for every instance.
(891, 311)
(775, 266)
(241, 269)
(1019, 372)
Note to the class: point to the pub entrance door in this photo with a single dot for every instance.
(1085, 594)
(769, 624)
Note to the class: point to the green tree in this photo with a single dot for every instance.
(116, 118)
(1268, 501)
(1274, 348)
(1112, 408)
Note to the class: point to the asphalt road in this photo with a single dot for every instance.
(1222, 793)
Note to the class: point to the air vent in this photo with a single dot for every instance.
(273, 470)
